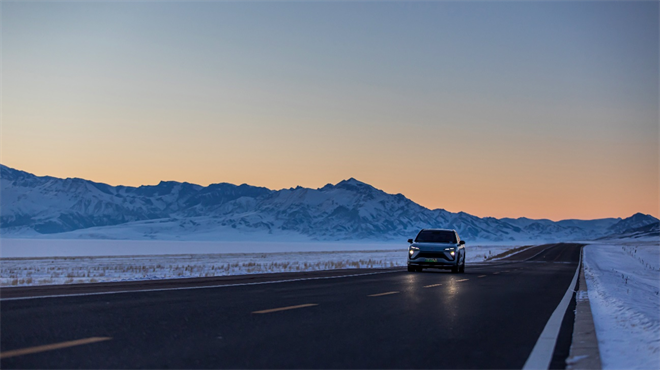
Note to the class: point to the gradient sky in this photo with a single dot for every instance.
(504, 109)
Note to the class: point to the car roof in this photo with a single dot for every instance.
(440, 230)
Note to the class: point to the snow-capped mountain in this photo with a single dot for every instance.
(32, 205)
(634, 222)
(646, 231)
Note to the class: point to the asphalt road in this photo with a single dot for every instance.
(489, 317)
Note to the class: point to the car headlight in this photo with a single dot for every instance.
(411, 252)
(452, 253)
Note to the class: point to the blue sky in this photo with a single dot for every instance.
(486, 105)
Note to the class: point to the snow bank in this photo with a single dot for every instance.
(624, 291)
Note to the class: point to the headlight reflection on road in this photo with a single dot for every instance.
(413, 282)
(413, 286)
(412, 279)
(452, 288)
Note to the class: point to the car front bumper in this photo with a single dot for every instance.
(433, 262)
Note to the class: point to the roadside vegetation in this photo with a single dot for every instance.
(75, 270)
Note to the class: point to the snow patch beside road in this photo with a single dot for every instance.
(623, 280)
(45, 262)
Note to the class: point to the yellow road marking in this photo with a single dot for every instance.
(286, 308)
(50, 347)
(431, 286)
(481, 276)
(458, 281)
(380, 294)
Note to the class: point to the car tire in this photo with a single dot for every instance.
(462, 268)
(455, 269)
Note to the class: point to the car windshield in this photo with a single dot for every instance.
(436, 236)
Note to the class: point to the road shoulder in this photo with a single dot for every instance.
(584, 353)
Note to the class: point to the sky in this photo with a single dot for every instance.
(502, 109)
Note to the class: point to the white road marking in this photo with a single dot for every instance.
(287, 308)
(193, 287)
(544, 249)
(542, 353)
(51, 347)
(431, 286)
(381, 294)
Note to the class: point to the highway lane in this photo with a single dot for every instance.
(489, 317)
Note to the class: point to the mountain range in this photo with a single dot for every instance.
(34, 206)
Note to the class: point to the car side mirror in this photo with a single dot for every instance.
(462, 242)
(410, 241)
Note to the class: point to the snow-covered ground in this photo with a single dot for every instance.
(623, 279)
(10, 248)
(40, 262)
(66, 270)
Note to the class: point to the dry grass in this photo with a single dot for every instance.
(104, 269)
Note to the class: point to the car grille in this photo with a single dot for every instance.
(434, 255)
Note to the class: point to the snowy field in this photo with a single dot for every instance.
(43, 262)
(11, 248)
(623, 280)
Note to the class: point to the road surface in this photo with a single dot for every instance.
(489, 317)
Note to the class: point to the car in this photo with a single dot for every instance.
(436, 248)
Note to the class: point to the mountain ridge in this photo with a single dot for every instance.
(348, 210)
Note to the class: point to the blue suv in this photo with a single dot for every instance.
(436, 248)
